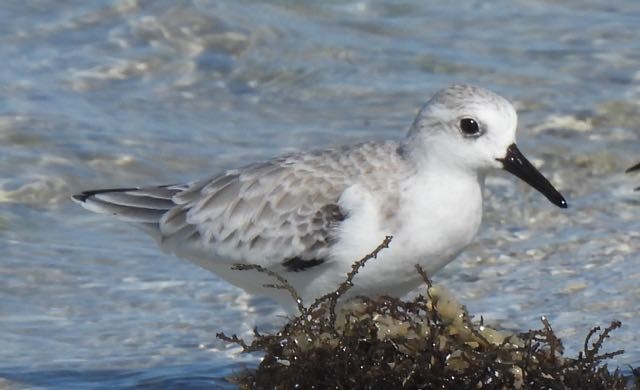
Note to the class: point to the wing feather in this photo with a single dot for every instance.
(279, 213)
(267, 213)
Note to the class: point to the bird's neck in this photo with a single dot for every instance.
(434, 163)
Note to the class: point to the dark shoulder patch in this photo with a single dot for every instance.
(333, 213)
(296, 264)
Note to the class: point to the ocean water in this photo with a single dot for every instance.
(127, 92)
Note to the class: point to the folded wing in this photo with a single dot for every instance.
(279, 212)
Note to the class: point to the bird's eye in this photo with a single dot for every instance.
(469, 126)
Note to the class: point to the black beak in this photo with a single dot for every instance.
(633, 168)
(515, 162)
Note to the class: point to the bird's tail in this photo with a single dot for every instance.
(143, 205)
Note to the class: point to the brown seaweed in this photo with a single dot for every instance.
(428, 342)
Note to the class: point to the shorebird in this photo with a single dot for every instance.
(309, 216)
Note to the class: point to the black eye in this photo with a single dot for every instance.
(469, 126)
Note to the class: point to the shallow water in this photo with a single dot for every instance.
(156, 92)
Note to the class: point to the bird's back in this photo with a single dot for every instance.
(281, 212)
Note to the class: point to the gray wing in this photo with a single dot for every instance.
(282, 211)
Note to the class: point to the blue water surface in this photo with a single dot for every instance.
(130, 92)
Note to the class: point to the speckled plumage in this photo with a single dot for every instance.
(309, 216)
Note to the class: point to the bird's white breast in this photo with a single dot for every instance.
(436, 217)
(441, 214)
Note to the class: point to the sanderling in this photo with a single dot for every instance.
(308, 216)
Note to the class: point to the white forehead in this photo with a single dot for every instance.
(469, 100)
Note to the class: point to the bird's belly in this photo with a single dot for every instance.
(394, 271)
(430, 231)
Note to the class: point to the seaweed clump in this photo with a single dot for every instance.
(428, 342)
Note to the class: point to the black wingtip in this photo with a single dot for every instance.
(84, 195)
